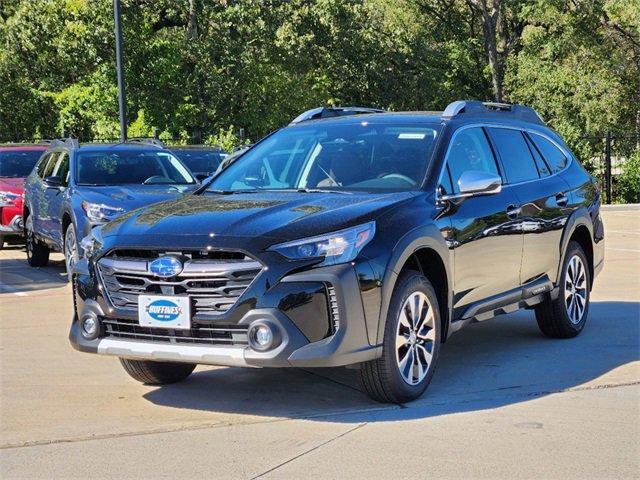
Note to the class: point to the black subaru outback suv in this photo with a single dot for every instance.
(363, 239)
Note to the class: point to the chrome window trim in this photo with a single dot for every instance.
(510, 127)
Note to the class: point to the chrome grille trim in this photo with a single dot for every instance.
(214, 286)
(233, 335)
(334, 309)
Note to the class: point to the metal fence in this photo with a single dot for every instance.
(613, 151)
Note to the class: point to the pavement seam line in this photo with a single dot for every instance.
(187, 428)
(286, 462)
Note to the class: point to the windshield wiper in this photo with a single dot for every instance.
(233, 192)
(322, 190)
(277, 190)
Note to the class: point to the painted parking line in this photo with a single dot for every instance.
(8, 289)
(624, 232)
(625, 214)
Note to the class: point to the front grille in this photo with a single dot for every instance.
(235, 335)
(214, 285)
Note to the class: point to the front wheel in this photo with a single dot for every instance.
(157, 373)
(71, 254)
(566, 316)
(410, 346)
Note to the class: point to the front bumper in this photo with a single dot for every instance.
(12, 223)
(348, 345)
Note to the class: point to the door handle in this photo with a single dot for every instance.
(561, 199)
(513, 211)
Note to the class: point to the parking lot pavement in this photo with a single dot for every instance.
(505, 402)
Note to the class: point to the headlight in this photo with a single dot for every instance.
(8, 198)
(337, 247)
(98, 212)
(92, 242)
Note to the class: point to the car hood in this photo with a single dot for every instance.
(129, 197)
(268, 215)
(12, 184)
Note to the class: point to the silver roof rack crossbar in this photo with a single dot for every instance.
(146, 141)
(65, 142)
(469, 107)
(453, 109)
(328, 112)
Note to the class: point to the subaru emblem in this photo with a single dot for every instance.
(165, 267)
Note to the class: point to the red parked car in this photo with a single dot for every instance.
(16, 162)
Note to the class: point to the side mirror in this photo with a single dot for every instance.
(54, 181)
(475, 182)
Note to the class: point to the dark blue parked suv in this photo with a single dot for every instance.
(76, 187)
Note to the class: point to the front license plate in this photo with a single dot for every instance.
(164, 311)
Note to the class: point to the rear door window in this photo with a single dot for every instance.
(552, 154)
(469, 151)
(519, 165)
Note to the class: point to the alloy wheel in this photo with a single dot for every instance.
(415, 337)
(30, 238)
(70, 248)
(575, 289)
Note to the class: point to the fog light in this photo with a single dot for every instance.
(262, 336)
(90, 327)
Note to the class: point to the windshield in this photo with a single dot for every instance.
(19, 163)
(358, 156)
(201, 161)
(126, 167)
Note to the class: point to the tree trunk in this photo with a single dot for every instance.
(192, 27)
(489, 11)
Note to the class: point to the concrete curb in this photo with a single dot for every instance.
(622, 206)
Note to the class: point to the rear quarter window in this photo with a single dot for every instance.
(46, 165)
(552, 154)
(519, 165)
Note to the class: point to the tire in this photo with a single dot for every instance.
(384, 379)
(157, 373)
(37, 252)
(71, 252)
(566, 316)
(1, 242)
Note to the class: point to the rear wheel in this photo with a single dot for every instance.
(157, 373)
(1, 242)
(410, 346)
(566, 316)
(37, 252)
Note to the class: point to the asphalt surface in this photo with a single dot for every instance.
(505, 402)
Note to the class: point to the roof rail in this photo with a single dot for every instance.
(65, 142)
(199, 146)
(24, 144)
(328, 112)
(146, 141)
(469, 107)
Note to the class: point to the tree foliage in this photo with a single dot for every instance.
(196, 67)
